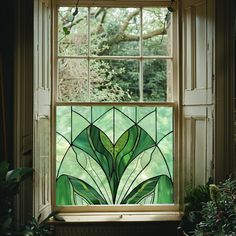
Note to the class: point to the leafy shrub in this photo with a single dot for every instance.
(194, 200)
(10, 181)
(219, 214)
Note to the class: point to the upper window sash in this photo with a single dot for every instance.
(116, 3)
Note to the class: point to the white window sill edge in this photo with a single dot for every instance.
(119, 217)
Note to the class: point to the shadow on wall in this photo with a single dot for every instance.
(6, 80)
(118, 229)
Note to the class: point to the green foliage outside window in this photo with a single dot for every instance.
(109, 32)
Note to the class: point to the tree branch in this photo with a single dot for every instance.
(129, 37)
(127, 20)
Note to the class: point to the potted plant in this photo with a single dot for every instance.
(219, 214)
(10, 181)
(194, 199)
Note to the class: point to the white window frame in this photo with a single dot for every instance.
(120, 212)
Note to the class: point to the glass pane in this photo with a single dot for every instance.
(72, 81)
(76, 41)
(157, 80)
(114, 155)
(156, 32)
(114, 80)
(115, 31)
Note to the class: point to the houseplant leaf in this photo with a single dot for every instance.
(18, 174)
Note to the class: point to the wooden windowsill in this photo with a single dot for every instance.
(118, 217)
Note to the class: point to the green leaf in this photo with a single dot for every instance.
(141, 191)
(3, 170)
(27, 232)
(19, 174)
(64, 191)
(86, 191)
(66, 30)
(165, 190)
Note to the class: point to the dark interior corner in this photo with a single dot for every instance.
(7, 18)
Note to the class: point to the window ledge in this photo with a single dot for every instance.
(119, 217)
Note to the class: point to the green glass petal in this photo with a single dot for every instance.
(92, 173)
(86, 191)
(82, 141)
(102, 152)
(165, 190)
(124, 152)
(144, 142)
(107, 143)
(141, 191)
(64, 193)
(79, 201)
(89, 142)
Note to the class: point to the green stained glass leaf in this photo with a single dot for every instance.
(140, 192)
(105, 141)
(125, 145)
(90, 142)
(139, 141)
(64, 191)
(165, 190)
(114, 186)
(145, 142)
(86, 191)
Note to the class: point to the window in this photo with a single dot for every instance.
(195, 123)
(114, 109)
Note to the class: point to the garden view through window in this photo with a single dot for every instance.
(114, 106)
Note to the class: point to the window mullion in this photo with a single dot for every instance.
(141, 54)
(89, 52)
(116, 57)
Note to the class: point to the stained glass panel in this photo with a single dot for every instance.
(112, 155)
